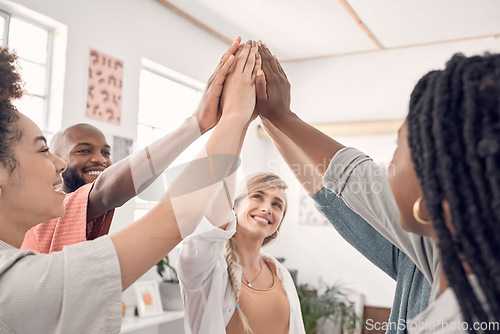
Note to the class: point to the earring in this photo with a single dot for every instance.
(416, 212)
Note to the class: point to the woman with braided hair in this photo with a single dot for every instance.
(449, 153)
(228, 285)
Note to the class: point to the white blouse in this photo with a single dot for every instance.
(209, 301)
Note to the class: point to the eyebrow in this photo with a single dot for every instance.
(40, 138)
(88, 144)
(279, 200)
(275, 198)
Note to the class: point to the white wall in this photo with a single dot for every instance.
(368, 86)
(127, 30)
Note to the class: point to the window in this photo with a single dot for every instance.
(166, 99)
(31, 43)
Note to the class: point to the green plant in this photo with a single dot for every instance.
(328, 302)
(166, 270)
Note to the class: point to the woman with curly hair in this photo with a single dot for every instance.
(78, 290)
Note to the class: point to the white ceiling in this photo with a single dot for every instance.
(297, 30)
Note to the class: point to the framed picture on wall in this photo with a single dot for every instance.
(148, 298)
(121, 148)
(104, 95)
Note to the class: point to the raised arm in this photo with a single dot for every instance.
(221, 208)
(145, 242)
(355, 178)
(117, 184)
(275, 95)
(273, 104)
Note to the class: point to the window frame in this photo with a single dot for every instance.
(179, 78)
(55, 63)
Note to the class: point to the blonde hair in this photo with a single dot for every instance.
(254, 182)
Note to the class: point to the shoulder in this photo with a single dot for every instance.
(79, 195)
(10, 255)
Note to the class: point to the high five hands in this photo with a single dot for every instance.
(248, 82)
(273, 88)
(239, 93)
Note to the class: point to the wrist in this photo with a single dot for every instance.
(199, 122)
(235, 119)
(192, 122)
(278, 117)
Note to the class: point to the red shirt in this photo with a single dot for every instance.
(53, 235)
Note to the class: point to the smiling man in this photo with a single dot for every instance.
(94, 187)
(86, 151)
(88, 211)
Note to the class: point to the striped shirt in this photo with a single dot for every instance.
(77, 290)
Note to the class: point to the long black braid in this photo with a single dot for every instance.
(454, 138)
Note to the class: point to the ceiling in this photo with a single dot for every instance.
(301, 30)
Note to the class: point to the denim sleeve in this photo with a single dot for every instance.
(357, 232)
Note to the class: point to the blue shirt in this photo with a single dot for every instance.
(412, 288)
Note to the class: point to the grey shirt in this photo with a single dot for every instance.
(364, 187)
(444, 315)
(77, 290)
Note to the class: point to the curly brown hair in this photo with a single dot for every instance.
(11, 88)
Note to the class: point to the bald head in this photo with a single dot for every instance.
(58, 143)
(85, 149)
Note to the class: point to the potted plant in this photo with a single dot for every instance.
(328, 303)
(169, 288)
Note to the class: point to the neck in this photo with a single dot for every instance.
(12, 235)
(248, 251)
(443, 279)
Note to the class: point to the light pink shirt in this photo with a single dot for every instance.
(72, 228)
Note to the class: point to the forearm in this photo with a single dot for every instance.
(221, 210)
(142, 244)
(215, 168)
(317, 146)
(145, 242)
(128, 177)
(304, 170)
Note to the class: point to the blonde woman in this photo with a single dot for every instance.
(228, 285)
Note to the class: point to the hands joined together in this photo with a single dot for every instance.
(248, 82)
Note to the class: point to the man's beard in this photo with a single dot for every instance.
(72, 180)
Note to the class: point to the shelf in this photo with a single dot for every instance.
(130, 324)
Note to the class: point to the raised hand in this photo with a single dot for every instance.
(209, 112)
(238, 96)
(273, 89)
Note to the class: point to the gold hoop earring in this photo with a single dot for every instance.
(416, 212)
